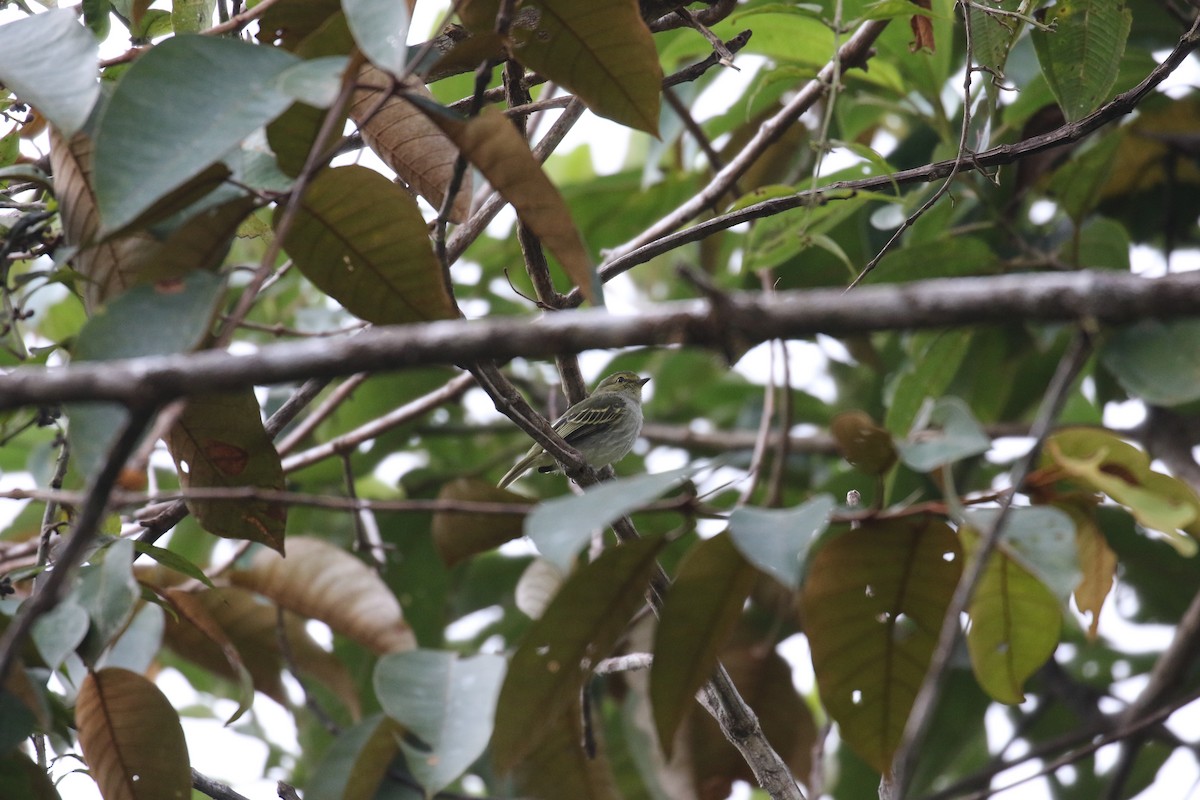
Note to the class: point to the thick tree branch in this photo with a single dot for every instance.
(1094, 297)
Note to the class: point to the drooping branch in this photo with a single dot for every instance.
(747, 319)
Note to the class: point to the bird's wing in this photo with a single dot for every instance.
(575, 426)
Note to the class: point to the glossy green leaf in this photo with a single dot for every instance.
(1014, 628)
(447, 701)
(600, 50)
(561, 526)
(1157, 361)
(556, 655)
(362, 240)
(173, 560)
(50, 61)
(171, 117)
(1080, 57)
(778, 541)
(873, 604)
(380, 29)
(945, 431)
(1041, 539)
(701, 608)
(218, 442)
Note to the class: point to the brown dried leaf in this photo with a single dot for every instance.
(459, 535)
(219, 442)
(131, 738)
(112, 265)
(324, 582)
(491, 143)
(407, 141)
(214, 619)
(922, 28)
(191, 610)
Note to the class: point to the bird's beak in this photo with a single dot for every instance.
(643, 382)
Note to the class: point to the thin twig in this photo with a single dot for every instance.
(960, 156)
(83, 532)
(647, 247)
(919, 719)
(319, 414)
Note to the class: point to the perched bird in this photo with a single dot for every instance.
(602, 426)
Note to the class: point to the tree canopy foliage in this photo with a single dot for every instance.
(265, 272)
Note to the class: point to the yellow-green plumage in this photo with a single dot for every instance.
(603, 426)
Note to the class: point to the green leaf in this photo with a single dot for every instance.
(362, 240)
(1157, 361)
(873, 604)
(380, 29)
(1102, 461)
(355, 765)
(192, 16)
(945, 431)
(600, 50)
(927, 374)
(446, 701)
(580, 627)
(171, 318)
(24, 778)
(704, 603)
(59, 631)
(1015, 625)
(778, 541)
(50, 61)
(561, 526)
(1082, 55)
(173, 560)
(994, 35)
(109, 592)
(1078, 184)
(218, 442)
(315, 81)
(1040, 538)
(171, 116)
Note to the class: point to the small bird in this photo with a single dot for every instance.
(602, 426)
